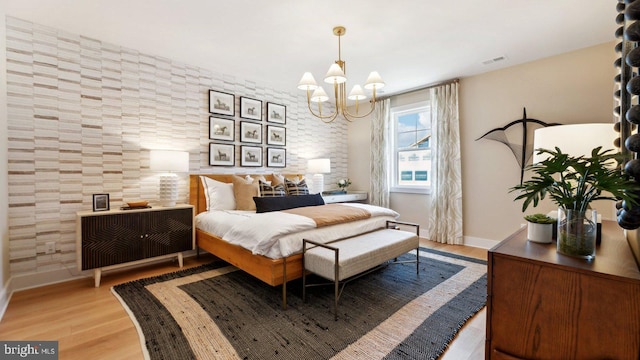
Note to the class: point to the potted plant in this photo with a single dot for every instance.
(540, 228)
(573, 183)
(343, 184)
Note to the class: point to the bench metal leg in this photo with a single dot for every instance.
(336, 276)
(304, 272)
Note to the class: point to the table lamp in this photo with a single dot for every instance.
(318, 167)
(169, 162)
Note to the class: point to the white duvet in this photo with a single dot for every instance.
(279, 234)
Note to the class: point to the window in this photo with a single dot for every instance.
(411, 146)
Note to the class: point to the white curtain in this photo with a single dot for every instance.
(445, 225)
(379, 154)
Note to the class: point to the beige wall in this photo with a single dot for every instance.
(575, 87)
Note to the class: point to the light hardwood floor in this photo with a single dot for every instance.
(89, 323)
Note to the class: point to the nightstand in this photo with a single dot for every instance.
(545, 305)
(351, 196)
(111, 239)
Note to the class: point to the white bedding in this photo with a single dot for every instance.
(278, 234)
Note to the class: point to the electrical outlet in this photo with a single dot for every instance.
(50, 247)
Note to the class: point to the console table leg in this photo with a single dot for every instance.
(180, 259)
(97, 273)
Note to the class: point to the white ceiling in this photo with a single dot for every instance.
(411, 43)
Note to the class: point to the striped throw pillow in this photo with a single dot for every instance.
(267, 190)
(299, 188)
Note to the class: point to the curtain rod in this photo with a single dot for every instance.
(446, 82)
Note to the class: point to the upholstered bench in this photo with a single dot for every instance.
(347, 259)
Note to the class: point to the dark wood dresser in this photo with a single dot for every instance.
(544, 305)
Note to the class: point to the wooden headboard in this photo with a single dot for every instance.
(196, 191)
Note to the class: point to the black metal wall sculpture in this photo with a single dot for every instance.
(523, 151)
(628, 216)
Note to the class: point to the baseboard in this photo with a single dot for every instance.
(480, 242)
(30, 281)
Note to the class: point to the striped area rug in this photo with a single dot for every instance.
(217, 312)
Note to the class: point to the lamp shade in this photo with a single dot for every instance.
(575, 140)
(169, 161)
(374, 81)
(319, 95)
(335, 75)
(319, 166)
(357, 93)
(307, 82)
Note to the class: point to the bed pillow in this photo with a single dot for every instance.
(266, 190)
(296, 188)
(277, 179)
(219, 195)
(267, 204)
(244, 191)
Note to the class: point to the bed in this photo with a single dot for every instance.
(273, 271)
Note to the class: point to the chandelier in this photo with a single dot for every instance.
(336, 76)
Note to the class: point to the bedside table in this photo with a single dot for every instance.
(351, 196)
(110, 239)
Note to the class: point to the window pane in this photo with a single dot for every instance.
(423, 138)
(406, 139)
(423, 121)
(412, 146)
(407, 122)
(414, 167)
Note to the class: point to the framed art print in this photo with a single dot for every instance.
(250, 108)
(250, 132)
(100, 202)
(250, 156)
(221, 103)
(276, 135)
(276, 157)
(221, 129)
(276, 113)
(221, 154)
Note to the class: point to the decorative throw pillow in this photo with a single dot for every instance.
(296, 188)
(267, 190)
(267, 204)
(277, 179)
(244, 191)
(219, 195)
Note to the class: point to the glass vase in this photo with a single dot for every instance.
(577, 232)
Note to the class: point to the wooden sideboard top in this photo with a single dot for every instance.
(613, 255)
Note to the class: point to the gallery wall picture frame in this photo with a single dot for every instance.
(221, 154)
(250, 132)
(250, 108)
(221, 103)
(276, 113)
(276, 135)
(100, 202)
(250, 155)
(221, 129)
(276, 157)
